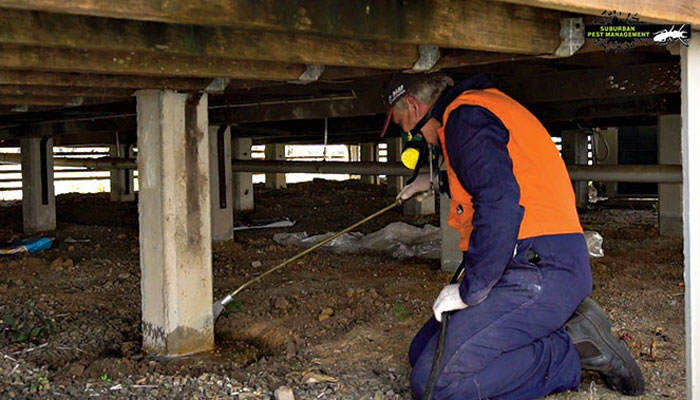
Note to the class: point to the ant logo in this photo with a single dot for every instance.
(670, 35)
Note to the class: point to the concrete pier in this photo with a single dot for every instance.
(451, 254)
(275, 152)
(368, 153)
(175, 222)
(394, 147)
(574, 151)
(670, 194)
(38, 201)
(220, 183)
(121, 181)
(242, 181)
(606, 144)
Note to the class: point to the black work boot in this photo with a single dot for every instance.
(600, 351)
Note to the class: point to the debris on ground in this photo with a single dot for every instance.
(30, 246)
(400, 239)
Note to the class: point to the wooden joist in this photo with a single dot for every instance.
(675, 11)
(476, 24)
(108, 34)
(171, 65)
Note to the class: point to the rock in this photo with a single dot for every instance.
(281, 303)
(350, 292)
(61, 263)
(284, 393)
(291, 349)
(124, 275)
(312, 377)
(373, 293)
(256, 264)
(122, 236)
(71, 248)
(325, 314)
(76, 370)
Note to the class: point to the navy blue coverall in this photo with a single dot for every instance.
(510, 342)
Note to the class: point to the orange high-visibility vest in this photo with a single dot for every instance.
(546, 192)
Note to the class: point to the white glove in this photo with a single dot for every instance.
(448, 300)
(420, 185)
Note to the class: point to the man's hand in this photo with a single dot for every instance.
(420, 185)
(448, 300)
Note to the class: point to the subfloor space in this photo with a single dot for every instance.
(329, 326)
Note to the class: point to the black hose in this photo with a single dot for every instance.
(441, 342)
(437, 357)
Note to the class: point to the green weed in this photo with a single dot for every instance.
(400, 312)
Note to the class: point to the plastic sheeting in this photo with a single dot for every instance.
(400, 239)
(594, 242)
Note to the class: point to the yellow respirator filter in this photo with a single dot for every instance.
(411, 154)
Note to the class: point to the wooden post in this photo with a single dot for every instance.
(690, 103)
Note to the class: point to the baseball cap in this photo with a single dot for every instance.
(396, 89)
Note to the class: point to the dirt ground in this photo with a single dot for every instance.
(329, 326)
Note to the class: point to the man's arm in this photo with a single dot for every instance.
(476, 143)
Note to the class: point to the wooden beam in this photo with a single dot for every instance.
(601, 108)
(52, 91)
(109, 34)
(674, 11)
(367, 126)
(622, 81)
(366, 103)
(37, 78)
(59, 128)
(476, 24)
(129, 63)
(18, 100)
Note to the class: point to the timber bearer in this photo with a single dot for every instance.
(522, 325)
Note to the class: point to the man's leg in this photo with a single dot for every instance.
(546, 366)
(516, 321)
(516, 331)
